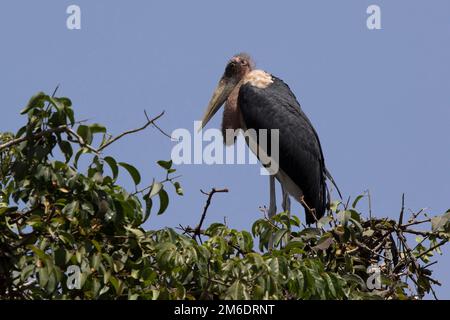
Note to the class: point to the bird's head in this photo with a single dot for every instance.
(238, 66)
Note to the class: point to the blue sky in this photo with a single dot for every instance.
(379, 99)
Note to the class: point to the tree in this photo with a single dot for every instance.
(69, 234)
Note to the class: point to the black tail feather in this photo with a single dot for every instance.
(328, 175)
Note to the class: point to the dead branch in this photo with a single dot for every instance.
(149, 122)
(205, 209)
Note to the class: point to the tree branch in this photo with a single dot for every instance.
(149, 122)
(33, 137)
(205, 209)
(81, 141)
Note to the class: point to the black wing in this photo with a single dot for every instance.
(301, 157)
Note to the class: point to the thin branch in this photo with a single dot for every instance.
(347, 204)
(34, 137)
(432, 248)
(419, 233)
(205, 209)
(433, 292)
(369, 197)
(416, 214)
(81, 141)
(63, 128)
(415, 223)
(402, 211)
(373, 251)
(149, 122)
(193, 232)
(311, 211)
(151, 185)
(429, 265)
(156, 126)
(54, 91)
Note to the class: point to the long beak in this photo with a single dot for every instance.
(220, 95)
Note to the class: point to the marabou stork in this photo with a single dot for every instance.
(255, 99)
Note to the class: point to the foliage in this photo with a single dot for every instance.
(54, 216)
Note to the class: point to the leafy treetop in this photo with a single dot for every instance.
(55, 216)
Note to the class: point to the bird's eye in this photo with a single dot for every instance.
(243, 62)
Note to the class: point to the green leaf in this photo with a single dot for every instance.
(97, 245)
(97, 128)
(70, 114)
(39, 252)
(37, 101)
(134, 173)
(27, 272)
(66, 149)
(137, 232)
(113, 165)
(78, 155)
(334, 206)
(51, 284)
(357, 225)
(355, 202)
(274, 266)
(71, 208)
(235, 291)
(156, 188)
(66, 237)
(178, 188)
(43, 277)
(165, 164)
(324, 243)
(95, 261)
(148, 208)
(85, 133)
(4, 210)
(65, 101)
(344, 216)
(329, 284)
(56, 103)
(163, 201)
(324, 221)
(117, 284)
(278, 236)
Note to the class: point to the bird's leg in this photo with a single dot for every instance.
(272, 205)
(286, 201)
(286, 205)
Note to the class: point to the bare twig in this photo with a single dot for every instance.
(205, 209)
(359, 243)
(415, 223)
(149, 122)
(369, 197)
(312, 211)
(156, 126)
(402, 211)
(433, 292)
(416, 214)
(347, 204)
(54, 91)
